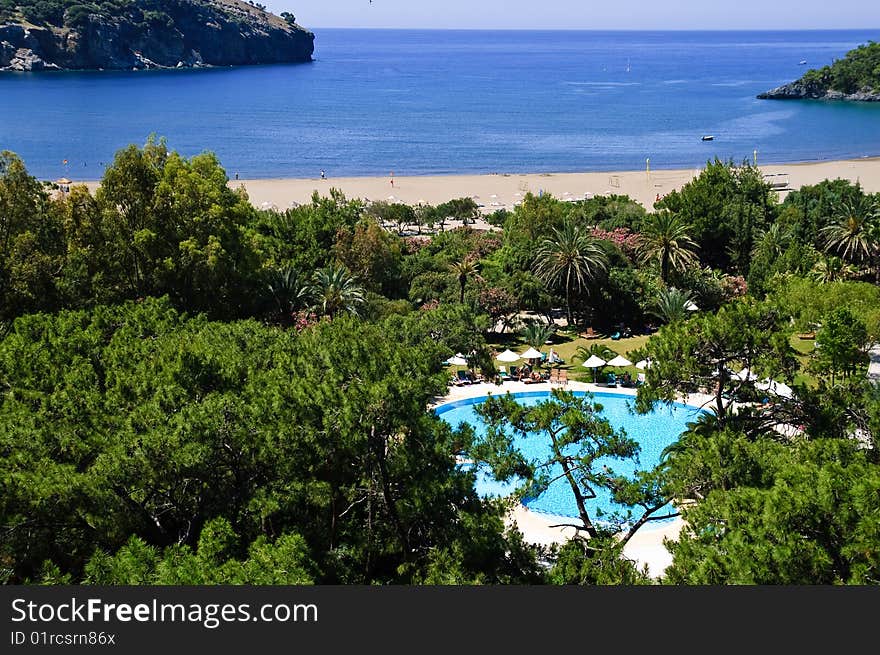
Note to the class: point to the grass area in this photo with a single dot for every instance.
(803, 348)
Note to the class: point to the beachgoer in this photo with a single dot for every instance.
(323, 176)
(236, 176)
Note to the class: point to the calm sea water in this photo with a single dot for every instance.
(439, 102)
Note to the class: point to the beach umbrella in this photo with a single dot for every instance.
(746, 375)
(774, 387)
(594, 363)
(643, 364)
(531, 353)
(508, 356)
(620, 360)
(456, 360)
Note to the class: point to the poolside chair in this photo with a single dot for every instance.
(502, 373)
(534, 378)
(514, 372)
(463, 377)
(554, 375)
(562, 377)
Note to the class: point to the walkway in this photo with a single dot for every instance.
(874, 366)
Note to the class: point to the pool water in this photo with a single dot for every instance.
(654, 432)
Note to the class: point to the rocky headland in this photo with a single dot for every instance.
(145, 34)
(807, 90)
(855, 78)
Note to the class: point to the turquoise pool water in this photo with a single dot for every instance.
(654, 432)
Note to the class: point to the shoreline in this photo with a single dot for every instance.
(496, 191)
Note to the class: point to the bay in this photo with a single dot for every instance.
(421, 102)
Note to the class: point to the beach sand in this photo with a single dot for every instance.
(505, 190)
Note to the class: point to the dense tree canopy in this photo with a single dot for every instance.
(196, 391)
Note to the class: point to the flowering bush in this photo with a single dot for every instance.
(733, 286)
(412, 245)
(303, 319)
(626, 240)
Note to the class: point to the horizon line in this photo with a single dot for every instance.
(593, 29)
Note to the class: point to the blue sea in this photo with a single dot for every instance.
(421, 102)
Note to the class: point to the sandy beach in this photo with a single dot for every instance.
(499, 190)
(505, 190)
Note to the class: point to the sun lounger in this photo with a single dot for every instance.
(462, 377)
(589, 334)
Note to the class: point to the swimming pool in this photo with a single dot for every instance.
(654, 432)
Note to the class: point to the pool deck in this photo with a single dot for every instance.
(646, 547)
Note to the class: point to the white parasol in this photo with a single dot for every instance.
(620, 360)
(508, 356)
(531, 353)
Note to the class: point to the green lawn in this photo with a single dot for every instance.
(803, 348)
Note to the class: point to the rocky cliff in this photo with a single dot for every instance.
(138, 34)
(810, 90)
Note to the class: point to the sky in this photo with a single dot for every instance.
(584, 14)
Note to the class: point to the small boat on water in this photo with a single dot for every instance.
(802, 62)
(708, 137)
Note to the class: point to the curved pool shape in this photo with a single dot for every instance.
(654, 432)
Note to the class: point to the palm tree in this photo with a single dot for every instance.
(831, 269)
(569, 257)
(336, 290)
(289, 289)
(771, 242)
(664, 238)
(463, 270)
(854, 235)
(536, 333)
(672, 305)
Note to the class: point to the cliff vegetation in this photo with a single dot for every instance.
(855, 77)
(134, 34)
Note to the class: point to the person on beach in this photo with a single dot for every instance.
(323, 176)
(392, 179)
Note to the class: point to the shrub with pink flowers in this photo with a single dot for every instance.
(303, 319)
(733, 286)
(626, 240)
